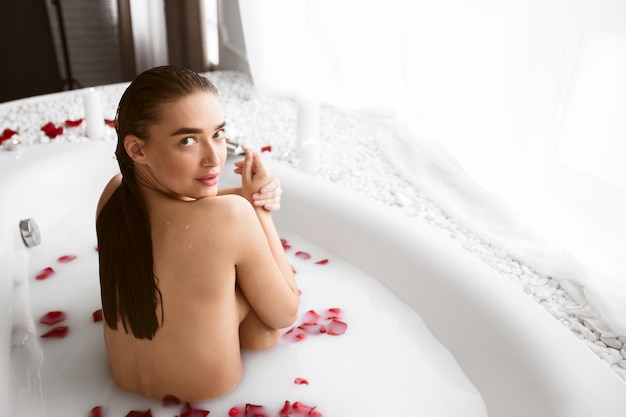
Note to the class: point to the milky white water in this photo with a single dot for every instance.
(386, 364)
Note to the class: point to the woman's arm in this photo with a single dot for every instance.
(253, 173)
(274, 303)
(263, 273)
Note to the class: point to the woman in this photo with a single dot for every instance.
(189, 275)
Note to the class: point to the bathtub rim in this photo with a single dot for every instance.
(585, 389)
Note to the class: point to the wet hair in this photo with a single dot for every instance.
(128, 287)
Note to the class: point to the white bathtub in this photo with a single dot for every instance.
(523, 362)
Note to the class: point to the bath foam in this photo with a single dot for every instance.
(387, 363)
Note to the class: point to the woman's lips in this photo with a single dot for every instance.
(209, 180)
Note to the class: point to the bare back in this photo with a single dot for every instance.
(198, 248)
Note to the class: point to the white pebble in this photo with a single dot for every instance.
(588, 334)
(575, 326)
(402, 200)
(622, 363)
(608, 358)
(611, 342)
(599, 350)
(615, 355)
(553, 283)
(527, 270)
(544, 293)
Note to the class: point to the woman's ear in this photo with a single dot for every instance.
(134, 148)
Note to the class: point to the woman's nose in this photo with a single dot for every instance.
(211, 156)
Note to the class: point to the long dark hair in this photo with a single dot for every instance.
(128, 287)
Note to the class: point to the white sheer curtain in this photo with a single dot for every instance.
(149, 37)
(510, 113)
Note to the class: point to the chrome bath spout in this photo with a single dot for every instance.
(30, 232)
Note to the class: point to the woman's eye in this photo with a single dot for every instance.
(220, 134)
(187, 141)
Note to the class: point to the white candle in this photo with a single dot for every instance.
(94, 117)
(308, 119)
(310, 156)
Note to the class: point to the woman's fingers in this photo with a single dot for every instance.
(269, 196)
(258, 184)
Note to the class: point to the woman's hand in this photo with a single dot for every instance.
(268, 196)
(258, 184)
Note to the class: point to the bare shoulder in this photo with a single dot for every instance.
(108, 191)
(225, 202)
(214, 225)
(227, 207)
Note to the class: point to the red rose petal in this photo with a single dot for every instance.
(286, 246)
(48, 127)
(52, 317)
(294, 335)
(168, 399)
(66, 258)
(97, 315)
(96, 412)
(45, 273)
(312, 328)
(284, 412)
(322, 262)
(135, 413)
(6, 135)
(73, 123)
(315, 413)
(233, 412)
(332, 313)
(109, 122)
(301, 381)
(57, 332)
(303, 255)
(310, 317)
(253, 410)
(51, 130)
(267, 148)
(302, 409)
(336, 327)
(189, 411)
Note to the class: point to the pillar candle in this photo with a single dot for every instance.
(94, 117)
(310, 156)
(308, 119)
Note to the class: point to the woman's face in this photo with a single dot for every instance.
(186, 151)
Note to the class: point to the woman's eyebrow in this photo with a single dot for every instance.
(187, 131)
(193, 130)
